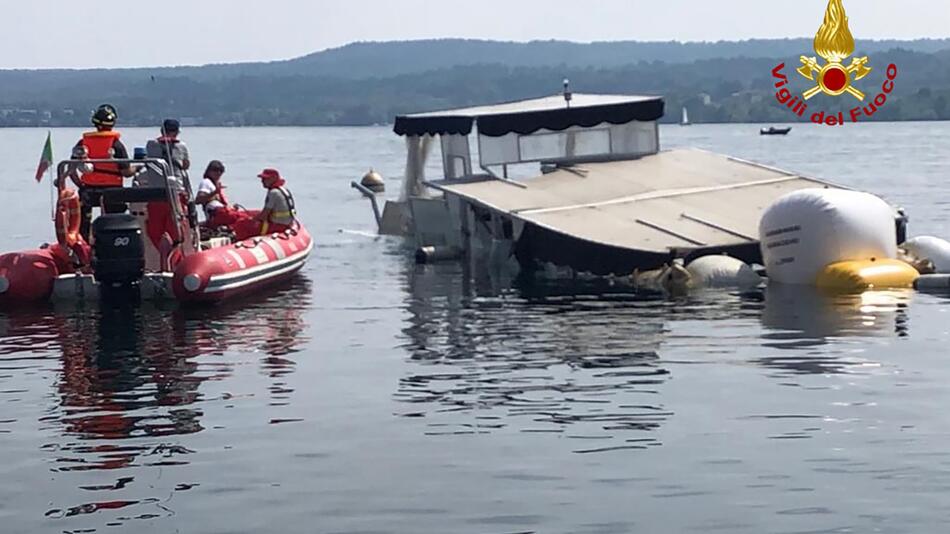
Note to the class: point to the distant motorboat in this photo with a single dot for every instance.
(772, 130)
(685, 121)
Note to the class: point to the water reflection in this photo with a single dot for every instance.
(128, 387)
(584, 367)
(815, 326)
(126, 373)
(590, 360)
(813, 315)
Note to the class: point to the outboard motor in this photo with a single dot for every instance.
(119, 251)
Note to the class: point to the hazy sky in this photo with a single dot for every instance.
(110, 33)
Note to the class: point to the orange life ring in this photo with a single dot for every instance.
(68, 218)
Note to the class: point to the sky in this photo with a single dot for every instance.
(123, 33)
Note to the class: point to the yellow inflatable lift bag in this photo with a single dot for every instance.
(857, 276)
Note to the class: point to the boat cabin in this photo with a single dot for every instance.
(559, 129)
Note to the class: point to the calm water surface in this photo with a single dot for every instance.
(373, 396)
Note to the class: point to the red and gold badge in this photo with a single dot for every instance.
(835, 44)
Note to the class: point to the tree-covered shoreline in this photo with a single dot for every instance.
(337, 88)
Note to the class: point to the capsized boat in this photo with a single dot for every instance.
(122, 262)
(581, 184)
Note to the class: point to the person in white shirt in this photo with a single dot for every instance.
(211, 197)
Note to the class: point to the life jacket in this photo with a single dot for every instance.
(285, 215)
(99, 146)
(291, 214)
(218, 194)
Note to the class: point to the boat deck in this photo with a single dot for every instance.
(673, 200)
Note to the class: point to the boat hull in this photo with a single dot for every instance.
(28, 276)
(242, 268)
(209, 276)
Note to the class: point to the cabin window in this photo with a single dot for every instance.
(498, 150)
(456, 156)
(604, 140)
(566, 144)
(633, 138)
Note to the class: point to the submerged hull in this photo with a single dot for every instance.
(212, 275)
(537, 245)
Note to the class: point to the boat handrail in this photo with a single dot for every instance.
(63, 166)
(503, 179)
(114, 160)
(160, 165)
(372, 198)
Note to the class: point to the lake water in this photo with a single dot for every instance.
(372, 395)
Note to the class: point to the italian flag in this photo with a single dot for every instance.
(46, 160)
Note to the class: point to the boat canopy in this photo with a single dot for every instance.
(551, 113)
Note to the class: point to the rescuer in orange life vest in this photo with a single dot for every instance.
(104, 143)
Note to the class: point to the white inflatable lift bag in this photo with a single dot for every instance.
(931, 248)
(804, 231)
(722, 271)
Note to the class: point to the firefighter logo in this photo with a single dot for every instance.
(835, 44)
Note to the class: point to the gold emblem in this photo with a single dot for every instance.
(835, 44)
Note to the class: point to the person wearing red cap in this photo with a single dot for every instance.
(279, 211)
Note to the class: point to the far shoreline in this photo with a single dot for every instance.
(390, 126)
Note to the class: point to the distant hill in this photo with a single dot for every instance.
(374, 59)
(364, 83)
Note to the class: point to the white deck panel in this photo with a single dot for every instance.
(678, 198)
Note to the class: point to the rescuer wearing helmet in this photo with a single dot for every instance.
(103, 143)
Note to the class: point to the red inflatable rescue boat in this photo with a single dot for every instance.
(123, 262)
